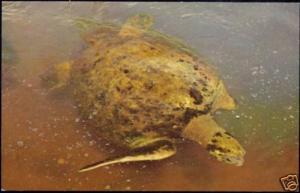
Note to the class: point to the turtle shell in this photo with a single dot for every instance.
(131, 86)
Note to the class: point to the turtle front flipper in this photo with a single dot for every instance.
(155, 150)
(57, 77)
(136, 25)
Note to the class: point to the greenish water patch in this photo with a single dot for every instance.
(271, 125)
(8, 52)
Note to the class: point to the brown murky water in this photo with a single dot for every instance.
(44, 142)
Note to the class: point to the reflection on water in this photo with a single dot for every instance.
(253, 46)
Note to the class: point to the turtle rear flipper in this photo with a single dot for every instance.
(85, 24)
(156, 150)
(136, 25)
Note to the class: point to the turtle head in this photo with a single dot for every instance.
(225, 148)
(219, 143)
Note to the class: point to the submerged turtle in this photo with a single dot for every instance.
(144, 90)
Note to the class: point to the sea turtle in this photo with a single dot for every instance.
(144, 90)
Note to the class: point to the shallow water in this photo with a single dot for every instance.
(253, 46)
